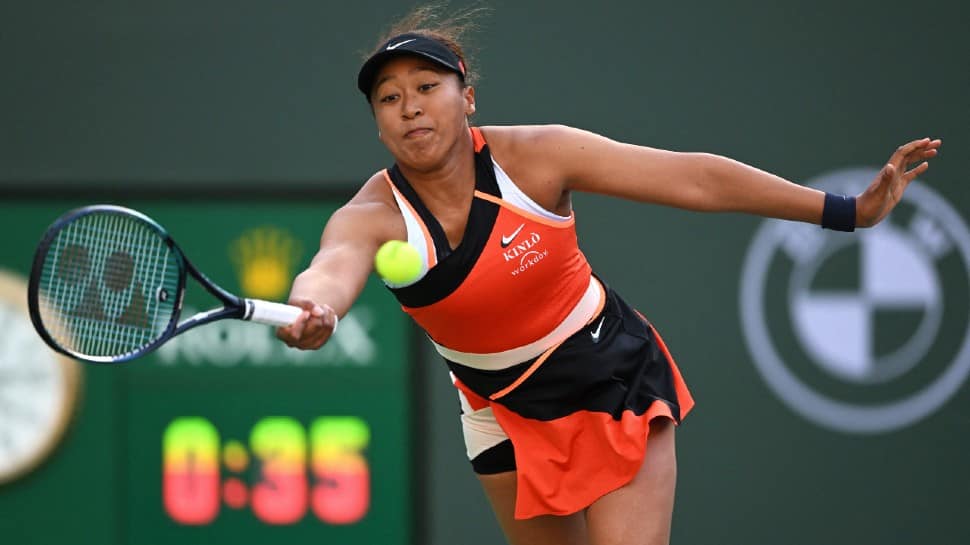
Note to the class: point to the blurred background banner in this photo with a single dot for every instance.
(830, 369)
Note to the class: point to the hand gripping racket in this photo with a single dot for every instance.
(107, 285)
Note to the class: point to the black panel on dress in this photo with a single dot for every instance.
(621, 369)
(497, 459)
(453, 265)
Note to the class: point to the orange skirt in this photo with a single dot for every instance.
(579, 423)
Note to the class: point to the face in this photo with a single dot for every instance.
(421, 111)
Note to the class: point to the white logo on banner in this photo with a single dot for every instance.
(876, 349)
(235, 343)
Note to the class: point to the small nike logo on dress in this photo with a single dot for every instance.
(596, 334)
(506, 240)
(399, 44)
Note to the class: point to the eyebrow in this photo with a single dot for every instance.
(419, 68)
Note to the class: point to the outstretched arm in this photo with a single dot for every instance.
(711, 183)
(338, 272)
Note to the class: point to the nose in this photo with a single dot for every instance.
(411, 107)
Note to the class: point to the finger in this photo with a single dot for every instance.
(305, 304)
(315, 338)
(913, 159)
(903, 151)
(297, 327)
(887, 174)
(915, 144)
(920, 156)
(923, 152)
(321, 328)
(316, 325)
(283, 334)
(924, 149)
(316, 341)
(331, 317)
(923, 167)
(312, 328)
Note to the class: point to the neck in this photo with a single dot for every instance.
(451, 178)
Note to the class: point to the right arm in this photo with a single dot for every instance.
(339, 270)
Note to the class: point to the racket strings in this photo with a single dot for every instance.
(108, 285)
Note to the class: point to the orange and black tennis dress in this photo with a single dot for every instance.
(558, 377)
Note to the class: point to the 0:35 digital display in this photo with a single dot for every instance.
(284, 471)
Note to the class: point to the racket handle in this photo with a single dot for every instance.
(267, 312)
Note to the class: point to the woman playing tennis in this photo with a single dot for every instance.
(569, 396)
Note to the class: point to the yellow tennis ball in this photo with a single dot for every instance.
(398, 262)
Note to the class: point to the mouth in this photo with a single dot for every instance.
(417, 133)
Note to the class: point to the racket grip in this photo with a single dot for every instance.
(267, 312)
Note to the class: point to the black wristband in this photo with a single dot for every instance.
(839, 213)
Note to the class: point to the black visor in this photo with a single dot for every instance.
(408, 44)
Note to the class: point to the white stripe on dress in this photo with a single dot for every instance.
(579, 316)
(415, 238)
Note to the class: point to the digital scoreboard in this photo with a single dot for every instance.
(286, 470)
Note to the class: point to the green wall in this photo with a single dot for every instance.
(235, 95)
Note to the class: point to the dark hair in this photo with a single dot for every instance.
(428, 20)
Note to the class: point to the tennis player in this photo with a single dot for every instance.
(569, 396)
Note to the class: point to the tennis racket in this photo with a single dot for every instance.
(107, 285)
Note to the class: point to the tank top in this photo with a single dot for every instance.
(515, 286)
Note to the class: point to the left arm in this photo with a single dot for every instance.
(711, 183)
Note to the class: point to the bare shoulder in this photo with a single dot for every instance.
(533, 156)
(550, 150)
(530, 141)
(371, 213)
(374, 191)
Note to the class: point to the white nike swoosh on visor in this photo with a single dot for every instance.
(506, 240)
(399, 44)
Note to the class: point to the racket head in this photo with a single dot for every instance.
(106, 284)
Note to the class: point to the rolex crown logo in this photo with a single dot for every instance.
(264, 258)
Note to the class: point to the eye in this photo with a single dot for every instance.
(388, 98)
(427, 86)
